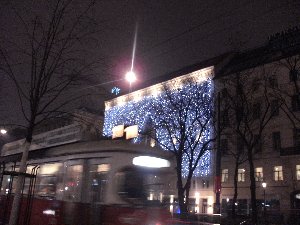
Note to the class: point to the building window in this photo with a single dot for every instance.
(255, 84)
(205, 183)
(297, 137)
(194, 184)
(274, 107)
(224, 146)
(258, 145)
(296, 102)
(256, 110)
(224, 118)
(224, 93)
(240, 144)
(241, 175)
(273, 81)
(276, 141)
(278, 175)
(294, 75)
(298, 172)
(225, 175)
(259, 176)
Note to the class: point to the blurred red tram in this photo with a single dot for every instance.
(93, 183)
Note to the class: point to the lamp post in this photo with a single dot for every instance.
(130, 77)
(264, 185)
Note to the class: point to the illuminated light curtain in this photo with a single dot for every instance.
(162, 109)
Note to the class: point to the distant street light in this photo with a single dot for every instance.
(130, 77)
(3, 131)
(264, 185)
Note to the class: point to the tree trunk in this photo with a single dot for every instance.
(182, 205)
(180, 190)
(234, 200)
(187, 194)
(14, 214)
(252, 188)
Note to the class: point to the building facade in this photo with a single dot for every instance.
(271, 78)
(271, 74)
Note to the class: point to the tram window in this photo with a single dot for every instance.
(154, 186)
(6, 186)
(140, 186)
(131, 186)
(73, 181)
(98, 181)
(47, 179)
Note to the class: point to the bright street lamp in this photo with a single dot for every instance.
(264, 185)
(3, 131)
(130, 77)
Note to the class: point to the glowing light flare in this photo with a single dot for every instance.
(148, 161)
(49, 212)
(130, 76)
(3, 131)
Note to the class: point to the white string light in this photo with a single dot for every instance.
(196, 101)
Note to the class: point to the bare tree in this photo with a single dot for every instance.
(292, 65)
(45, 64)
(181, 120)
(250, 109)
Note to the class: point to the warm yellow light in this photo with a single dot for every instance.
(130, 76)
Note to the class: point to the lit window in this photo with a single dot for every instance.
(298, 172)
(241, 175)
(225, 175)
(259, 176)
(278, 174)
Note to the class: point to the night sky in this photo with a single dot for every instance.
(171, 35)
